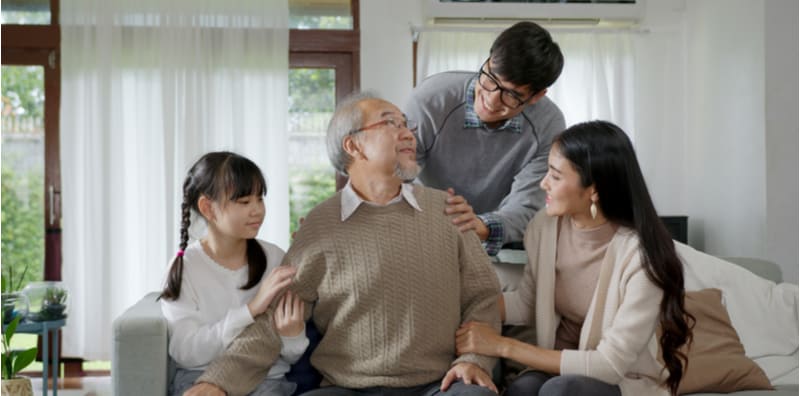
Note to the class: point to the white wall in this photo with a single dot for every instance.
(780, 38)
(716, 127)
(661, 110)
(386, 47)
(726, 128)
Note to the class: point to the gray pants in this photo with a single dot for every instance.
(457, 388)
(184, 379)
(537, 383)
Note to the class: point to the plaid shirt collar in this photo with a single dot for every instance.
(471, 119)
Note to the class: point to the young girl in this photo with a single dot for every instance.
(602, 275)
(217, 285)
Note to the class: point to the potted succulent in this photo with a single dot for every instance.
(13, 362)
(54, 304)
(48, 300)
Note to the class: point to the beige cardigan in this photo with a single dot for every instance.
(617, 341)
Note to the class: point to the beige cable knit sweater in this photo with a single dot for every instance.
(390, 285)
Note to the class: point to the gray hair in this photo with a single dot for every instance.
(347, 118)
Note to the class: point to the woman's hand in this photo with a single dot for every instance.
(274, 284)
(289, 315)
(480, 338)
(465, 218)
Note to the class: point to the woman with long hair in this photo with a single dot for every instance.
(602, 276)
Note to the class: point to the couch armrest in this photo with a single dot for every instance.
(140, 361)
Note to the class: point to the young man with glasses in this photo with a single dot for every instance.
(487, 135)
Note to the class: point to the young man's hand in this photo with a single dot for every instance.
(464, 216)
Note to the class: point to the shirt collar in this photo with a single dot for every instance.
(471, 119)
(351, 201)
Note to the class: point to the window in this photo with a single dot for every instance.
(22, 12)
(320, 14)
(31, 181)
(31, 89)
(324, 69)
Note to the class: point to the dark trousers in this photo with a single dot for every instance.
(537, 383)
(457, 388)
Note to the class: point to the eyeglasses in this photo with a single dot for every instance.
(488, 82)
(392, 122)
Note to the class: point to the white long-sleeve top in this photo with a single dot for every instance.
(212, 310)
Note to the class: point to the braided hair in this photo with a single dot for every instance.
(219, 176)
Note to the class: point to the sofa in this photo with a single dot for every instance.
(761, 308)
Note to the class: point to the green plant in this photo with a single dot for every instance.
(15, 360)
(7, 283)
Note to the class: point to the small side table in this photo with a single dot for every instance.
(45, 329)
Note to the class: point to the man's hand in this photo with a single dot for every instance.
(480, 338)
(468, 373)
(204, 389)
(274, 284)
(289, 315)
(465, 218)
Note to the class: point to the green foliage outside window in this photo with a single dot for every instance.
(309, 187)
(23, 91)
(311, 90)
(23, 231)
(320, 22)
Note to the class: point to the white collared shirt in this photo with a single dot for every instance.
(351, 201)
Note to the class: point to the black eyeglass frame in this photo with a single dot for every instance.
(498, 86)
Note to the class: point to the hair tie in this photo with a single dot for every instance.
(180, 252)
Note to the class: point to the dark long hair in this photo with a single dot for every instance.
(603, 155)
(219, 176)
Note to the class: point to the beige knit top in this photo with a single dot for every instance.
(390, 285)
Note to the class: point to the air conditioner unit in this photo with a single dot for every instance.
(619, 10)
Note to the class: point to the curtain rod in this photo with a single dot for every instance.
(417, 29)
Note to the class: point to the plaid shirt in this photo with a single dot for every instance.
(471, 119)
(494, 241)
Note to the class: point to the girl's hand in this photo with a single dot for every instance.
(480, 338)
(289, 315)
(270, 287)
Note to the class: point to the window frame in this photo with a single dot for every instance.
(336, 49)
(40, 45)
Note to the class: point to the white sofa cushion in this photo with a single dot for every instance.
(763, 313)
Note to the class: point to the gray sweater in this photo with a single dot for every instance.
(497, 170)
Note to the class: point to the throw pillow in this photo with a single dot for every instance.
(717, 362)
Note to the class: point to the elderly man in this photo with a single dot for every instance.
(389, 277)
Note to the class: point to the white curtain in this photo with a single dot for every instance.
(147, 87)
(596, 83)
